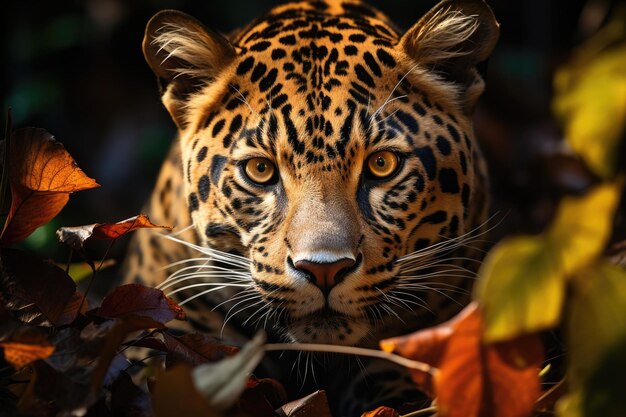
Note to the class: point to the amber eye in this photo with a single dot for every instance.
(382, 164)
(260, 170)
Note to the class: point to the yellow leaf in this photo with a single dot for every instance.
(597, 320)
(590, 99)
(523, 279)
(582, 226)
(521, 288)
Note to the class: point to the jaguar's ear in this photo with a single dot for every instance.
(185, 56)
(451, 39)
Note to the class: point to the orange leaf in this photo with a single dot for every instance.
(113, 231)
(475, 378)
(21, 354)
(381, 412)
(76, 236)
(427, 346)
(29, 210)
(41, 175)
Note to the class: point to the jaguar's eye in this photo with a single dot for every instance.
(260, 170)
(382, 164)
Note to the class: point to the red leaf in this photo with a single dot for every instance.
(135, 299)
(35, 291)
(41, 175)
(261, 397)
(475, 378)
(71, 308)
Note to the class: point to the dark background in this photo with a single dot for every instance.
(76, 68)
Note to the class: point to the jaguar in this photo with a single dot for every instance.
(325, 184)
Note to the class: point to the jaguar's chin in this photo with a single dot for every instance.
(328, 327)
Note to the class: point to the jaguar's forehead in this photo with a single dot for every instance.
(334, 20)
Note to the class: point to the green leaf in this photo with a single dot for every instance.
(597, 318)
(596, 329)
(523, 279)
(604, 394)
(521, 289)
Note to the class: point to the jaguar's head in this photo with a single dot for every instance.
(338, 152)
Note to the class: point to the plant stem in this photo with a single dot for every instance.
(422, 412)
(351, 350)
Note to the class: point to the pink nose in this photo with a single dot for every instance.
(324, 275)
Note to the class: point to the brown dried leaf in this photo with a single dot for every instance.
(41, 175)
(314, 405)
(135, 299)
(193, 348)
(36, 292)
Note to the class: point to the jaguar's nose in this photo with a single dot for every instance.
(325, 275)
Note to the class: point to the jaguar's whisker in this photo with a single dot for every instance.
(207, 284)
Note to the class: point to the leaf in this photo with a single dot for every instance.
(21, 342)
(590, 98)
(83, 362)
(523, 279)
(35, 291)
(41, 175)
(75, 237)
(570, 405)
(313, 405)
(135, 299)
(583, 225)
(21, 354)
(604, 393)
(127, 399)
(381, 412)
(261, 398)
(521, 288)
(597, 319)
(177, 383)
(72, 307)
(193, 348)
(111, 344)
(223, 382)
(475, 378)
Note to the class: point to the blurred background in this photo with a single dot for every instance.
(76, 69)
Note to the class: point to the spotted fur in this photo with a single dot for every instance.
(316, 87)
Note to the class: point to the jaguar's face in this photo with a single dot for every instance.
(332, 155)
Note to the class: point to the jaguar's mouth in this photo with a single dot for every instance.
(327, 326)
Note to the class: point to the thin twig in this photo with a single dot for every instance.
(422, 412)
(351, 350)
